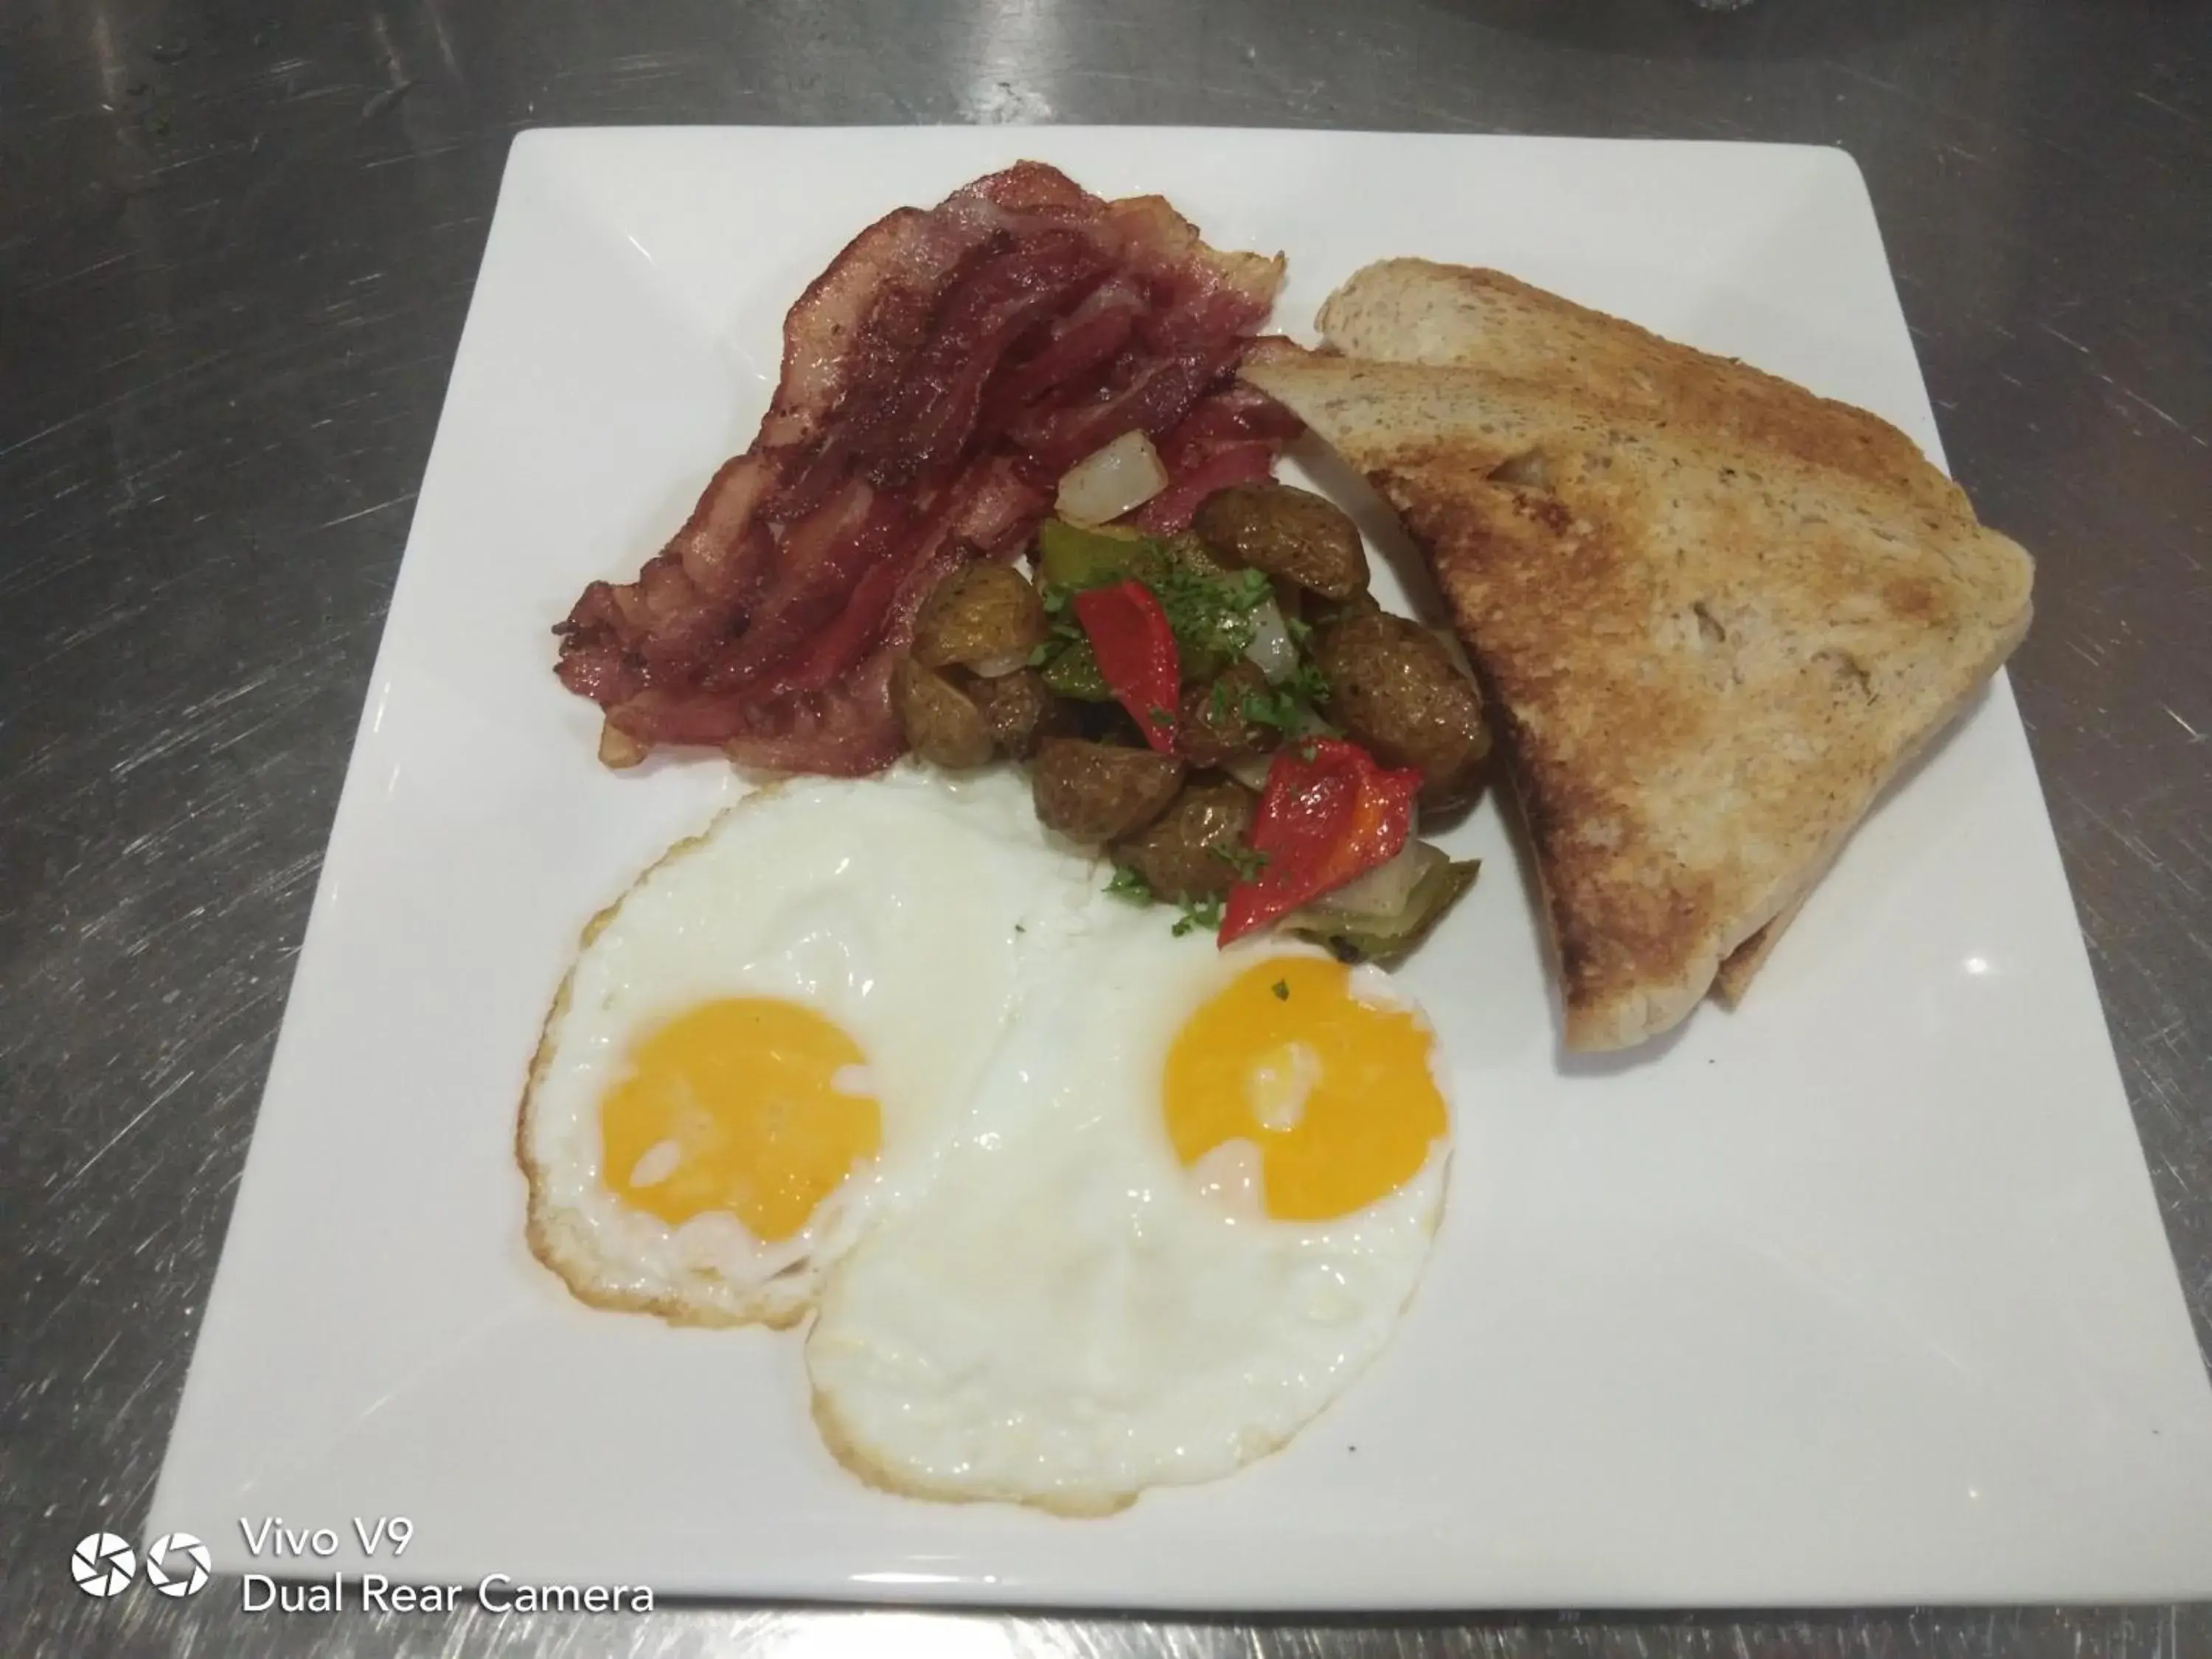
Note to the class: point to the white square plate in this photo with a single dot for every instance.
(1859, 1295)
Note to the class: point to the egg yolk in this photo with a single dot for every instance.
(1336, 1093)
(747, 1104)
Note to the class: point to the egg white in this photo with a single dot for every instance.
(899, 908)
(1067, 1316)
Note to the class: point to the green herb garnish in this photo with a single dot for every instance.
(1274, 708)
(1282, 990)
(1307, 681)
(1288, 706)
(1247, 861)
(1211, 615)
(1071, 670)
(1129, 886)
(1200, 913)
(1209, 609)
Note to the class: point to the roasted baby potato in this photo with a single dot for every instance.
(1214, 728)
(1182, 855)
(1293, 534)
(984, 617)
(941, 724)
(1395, 690)
(1096, 792)
(1020, 711)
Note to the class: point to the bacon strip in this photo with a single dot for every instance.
(938, 377)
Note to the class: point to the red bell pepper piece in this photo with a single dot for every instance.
(1129, 635)
(1329, 812)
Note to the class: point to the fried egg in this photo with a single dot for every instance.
(1197, 1191)
(766, 1046)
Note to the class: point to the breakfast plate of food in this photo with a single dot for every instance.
(1196, 870)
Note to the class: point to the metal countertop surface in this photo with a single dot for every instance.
(236, 246)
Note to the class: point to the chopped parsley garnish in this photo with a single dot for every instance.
(1275, 708)
(1288, 705)
(1212, 615)
(1208, 608)
(1307, 681)
(1282, 990)
(1129, 886)
(1205, 913)
(1247, 861)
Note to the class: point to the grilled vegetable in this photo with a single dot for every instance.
(1275, 649)
(1210, 608)
(1291, 533)
(1385, 936)
(941, 724)
(1096, 792)
(1328, 814)
(1110, 481)
(983, 617)
(1196, 847)
(1135, 649)
(1069, 555)
(1395, 690)
(1071, 671)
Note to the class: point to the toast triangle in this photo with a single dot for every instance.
(1709, 642)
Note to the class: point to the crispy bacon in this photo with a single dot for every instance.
(938, 377)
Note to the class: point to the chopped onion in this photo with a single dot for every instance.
(1250, 770)
(1108, 483)
(1271, 650)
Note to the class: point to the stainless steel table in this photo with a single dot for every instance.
(236, 244)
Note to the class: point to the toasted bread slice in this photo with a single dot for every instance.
(1709, 642)
(1415, 311)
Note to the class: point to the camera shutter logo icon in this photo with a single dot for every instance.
(102, 1564)
(177, 1564)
